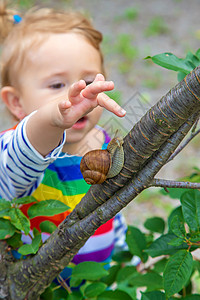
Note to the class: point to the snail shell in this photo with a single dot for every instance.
(97, 165)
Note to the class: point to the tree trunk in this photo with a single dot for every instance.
(147, 148)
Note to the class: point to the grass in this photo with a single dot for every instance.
(130, 14)
(157, 26)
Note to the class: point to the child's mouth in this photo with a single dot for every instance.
(80, 124)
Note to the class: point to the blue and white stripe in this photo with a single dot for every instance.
(21, 166)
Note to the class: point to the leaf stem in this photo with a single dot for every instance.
(64, 284)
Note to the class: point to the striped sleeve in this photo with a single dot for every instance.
(21, 166)
(120, 229)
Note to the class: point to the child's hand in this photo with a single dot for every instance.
(82, 99)
(45, 128)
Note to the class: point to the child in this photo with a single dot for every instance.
(53, 84)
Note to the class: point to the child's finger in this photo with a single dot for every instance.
(76, 88)
(91, 91)
(99, 77)
(63, 105)
(111, 105)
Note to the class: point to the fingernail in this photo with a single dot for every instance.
(122, 111)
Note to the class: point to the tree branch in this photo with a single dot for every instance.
(174, 184)
(65, 242)
(145, 138)
(193, 134)
(147, 148)
(5, 259)
(195, 125)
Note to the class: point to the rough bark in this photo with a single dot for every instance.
(67, 240)
(5, 260)
(146, 137)
(147, 148)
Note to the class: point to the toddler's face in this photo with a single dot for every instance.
(59, 62)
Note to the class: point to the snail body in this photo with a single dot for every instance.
(98, 165)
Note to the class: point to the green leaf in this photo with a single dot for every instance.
(89, 270)
(115, 95)
(187, 290)
(136, 242)
(59, 293)
(4, 204)
(191, 209)
(126, 273)
(172, 62)
(36, 232)
(181, 76)
(177, 227)
(176, 212)
(24, 200)
(74, 282)
(5, 214)
(75, 295)
(160, 265)
(195, 238)
(95, 289)
(176, 242)
(198, 53)
(151, 280)
(149, 238)
(197, 266)
(155, 295)
(155, 224)
(116, 295)
(47, 208)
(193, 59)
(15, 240)
(6, 229)
(192, 297)
(122, 256)
(19, 220)
(47, 226)
(111, 277)
(131, 291)
(161, 246)
(47, 294)
(177, 272)
(31, 248)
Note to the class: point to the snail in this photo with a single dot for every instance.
(98, 165)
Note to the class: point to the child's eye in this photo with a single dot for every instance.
(58, 85)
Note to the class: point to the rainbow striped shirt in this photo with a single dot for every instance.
(57, 176)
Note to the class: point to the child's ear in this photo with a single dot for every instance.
(11, 98)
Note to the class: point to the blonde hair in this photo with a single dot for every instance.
(37, 24)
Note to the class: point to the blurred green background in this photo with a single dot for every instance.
(133, 30)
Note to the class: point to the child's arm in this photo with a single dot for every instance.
(21, 164)
(45, 128)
